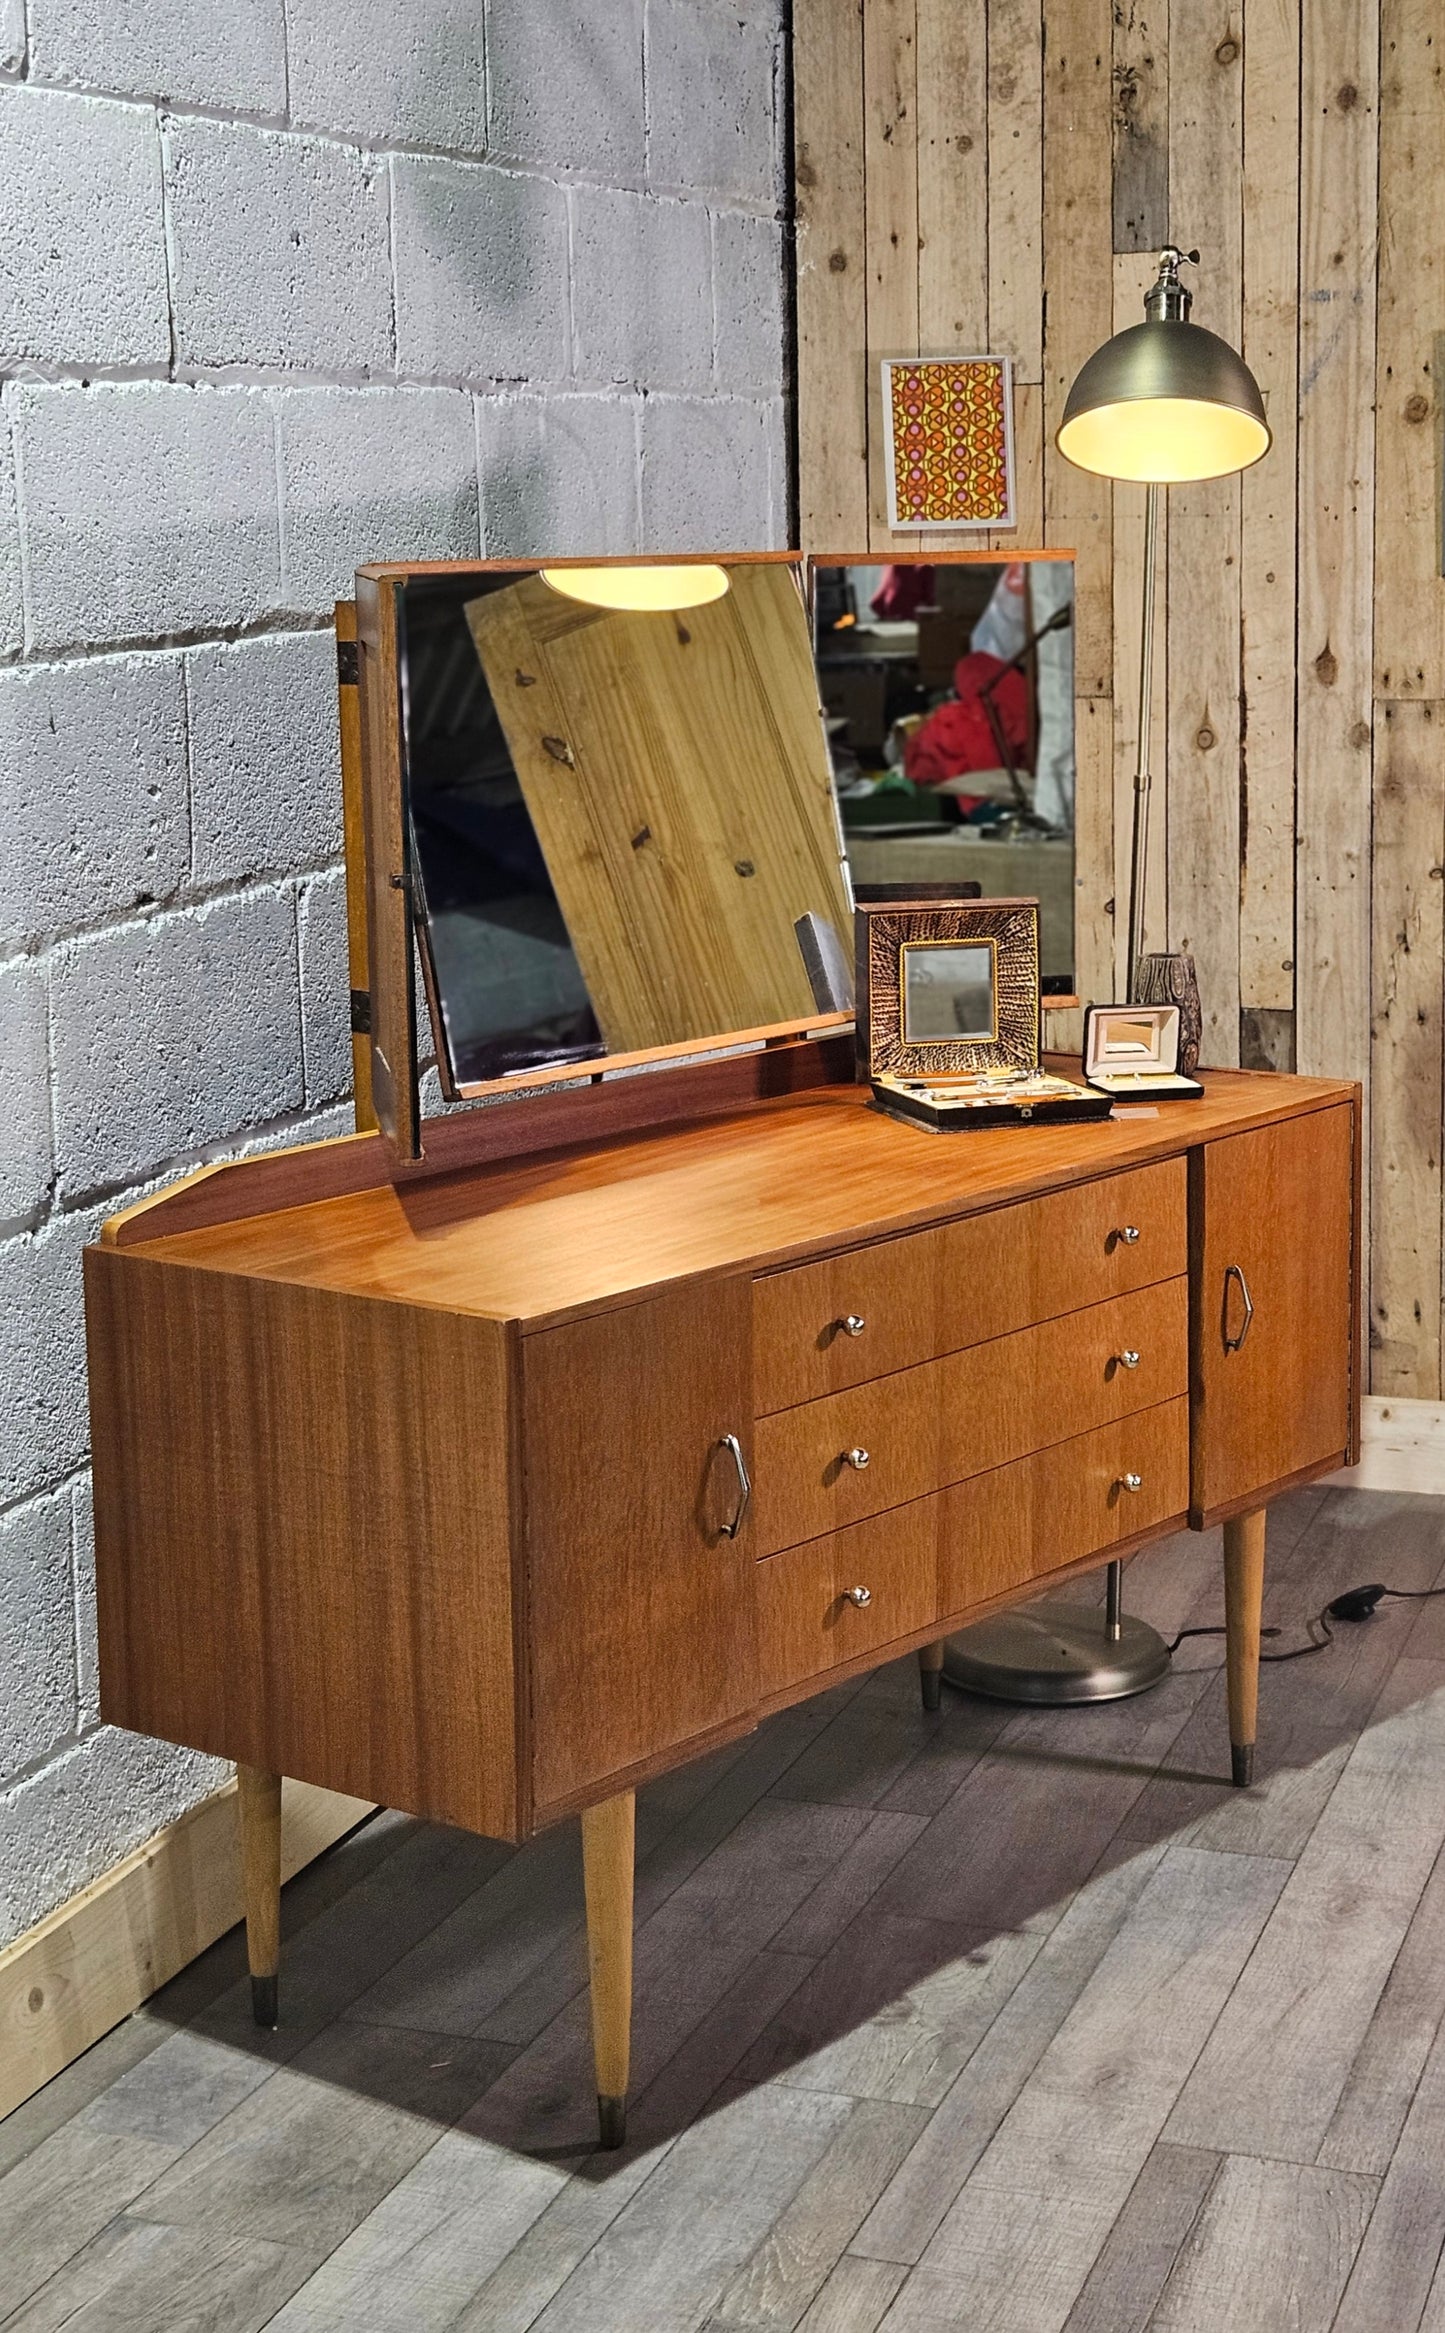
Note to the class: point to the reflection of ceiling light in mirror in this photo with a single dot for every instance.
(650, 590)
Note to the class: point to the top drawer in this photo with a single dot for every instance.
(933, 1292)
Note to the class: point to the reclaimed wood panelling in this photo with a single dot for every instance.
(1299, 808)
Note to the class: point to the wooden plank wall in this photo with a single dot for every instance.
(997, 174)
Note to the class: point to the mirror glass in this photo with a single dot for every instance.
(618, 818)
(948, 693)
(948, 991)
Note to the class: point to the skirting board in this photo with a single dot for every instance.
(1402, 1447)
(69, 1980)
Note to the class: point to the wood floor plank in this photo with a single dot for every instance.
(872, 1743)
(1125, 2282)
(1085, 2122)
(137, 2277)
(855, 2298)
(773, 2289)
(305, 2158)
(1272, 2247)
(853, 1881)
(1366, 2124)
(667, 2258)
(429, 2245)
(914, 2202)
(1276, 2065)
(895, 2010)
(1395, 2272)
(62, 2195)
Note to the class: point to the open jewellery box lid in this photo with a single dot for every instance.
(1133, 1050)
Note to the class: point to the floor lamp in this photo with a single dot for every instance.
(1162, 403)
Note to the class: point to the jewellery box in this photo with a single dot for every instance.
(948, 1016)
(1131, 1053)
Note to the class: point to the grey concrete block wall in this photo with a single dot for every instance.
(286, 287)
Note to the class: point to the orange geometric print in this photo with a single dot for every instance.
(950, 441)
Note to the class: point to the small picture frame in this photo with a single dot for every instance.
(948, 441)
(948, 1015)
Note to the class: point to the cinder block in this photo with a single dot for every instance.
(748, 302)
(173, 1035)
(641, 290)
(481, 272)
(61, 1828)
(93, 807)
(712, 92)
(280, 249)
(82, 1567)
(705, 475)
(44, 1426)
(12, 602)
(84, 279)
(150, 509)
(265, 756)
(189, 49)
(412, 76)
(325, 989)
(12, 36)
(373, 474)
(559, 475)
(25, 1083)
(38, 1703)
(566, 85)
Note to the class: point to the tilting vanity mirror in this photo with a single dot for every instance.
(619, 806)
(948, 691)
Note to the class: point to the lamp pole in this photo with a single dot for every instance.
(1139, 851)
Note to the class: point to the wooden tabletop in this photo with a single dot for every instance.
(552, 1238)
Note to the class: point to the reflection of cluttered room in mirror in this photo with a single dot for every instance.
(947, 687)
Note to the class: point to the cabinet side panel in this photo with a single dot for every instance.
(388, 870)
(303, 1533)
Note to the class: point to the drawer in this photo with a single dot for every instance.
(940, 1557)
(809, 1620)
(934, 1292)
(921, 1429)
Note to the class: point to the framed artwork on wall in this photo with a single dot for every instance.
(948, 441)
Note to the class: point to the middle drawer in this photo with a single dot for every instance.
(831, 1462)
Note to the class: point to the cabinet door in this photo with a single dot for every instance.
(642, 1608)
(1273, 1231)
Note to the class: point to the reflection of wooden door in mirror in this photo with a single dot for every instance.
(677, 780)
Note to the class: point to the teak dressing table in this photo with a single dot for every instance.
(490, 1483)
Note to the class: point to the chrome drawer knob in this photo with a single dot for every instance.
(1128, 1359)
(858, 1458)
(852, 1324)
(1130, 1235)
(859, 1596)
(1131, 1482)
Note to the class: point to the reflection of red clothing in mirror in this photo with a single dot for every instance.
(957, 737)
(903, 591)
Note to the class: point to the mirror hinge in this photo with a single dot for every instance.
(348, 664)
(361, 1012)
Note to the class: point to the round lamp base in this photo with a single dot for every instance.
(1055, 1655)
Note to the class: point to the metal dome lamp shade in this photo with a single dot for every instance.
(1162, 403)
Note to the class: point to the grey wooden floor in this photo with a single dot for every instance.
(992, 2020)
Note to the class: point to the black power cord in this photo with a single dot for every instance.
(1355, 1604)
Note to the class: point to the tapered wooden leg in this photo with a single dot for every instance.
(607, 1859)
(930, 1673)
(1243, 1596)
(260, 1794)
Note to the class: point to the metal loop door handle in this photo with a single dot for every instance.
(1233, 1272)
(734, 1449)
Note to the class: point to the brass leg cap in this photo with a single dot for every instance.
(1241, 1762)
(611, 2121)
(263, 2000)
(931, 1681)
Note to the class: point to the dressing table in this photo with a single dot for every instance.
(488, 1465)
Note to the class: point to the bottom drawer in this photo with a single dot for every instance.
(936, 1558)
